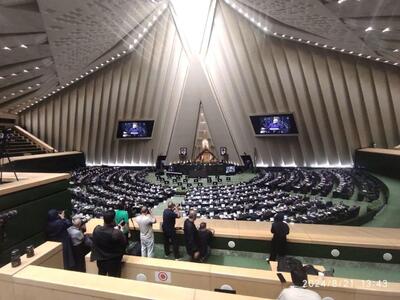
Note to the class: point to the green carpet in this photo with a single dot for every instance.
(389, 215)
(342, 268)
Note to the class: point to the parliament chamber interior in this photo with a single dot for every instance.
(200, 149)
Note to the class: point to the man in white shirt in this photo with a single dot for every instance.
(298, 291)
(145, 222)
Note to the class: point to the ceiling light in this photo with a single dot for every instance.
(13, 74)
(316, 44)
(396, 64)
(6, 48)
(23, 46)
(130, 46)
(12, 94)
(21, 91)
(396, 50)
(360, 54)
(386, 29)
(369, 56)
(369, 28)
(1, 77)
(37, 68)
(378, 58)
(26, 71)
(37, 84)
(351, 52)
(29, 87)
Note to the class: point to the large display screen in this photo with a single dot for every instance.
(135, 129)
(273, 125)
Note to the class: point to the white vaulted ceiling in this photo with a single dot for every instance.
(369, 27)
(44, 45)
(65, 39)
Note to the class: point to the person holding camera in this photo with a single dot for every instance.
(145, 222)
(81, 243)
(122, 218)
(56, 231)
(109, 245)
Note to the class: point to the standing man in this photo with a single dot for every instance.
(280, 230)
(192, 241)
(81, 244)
(145, 222)
(205, 236)
(109, 245)
(170, 214)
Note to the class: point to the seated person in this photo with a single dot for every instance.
(298, 291)
(205, 236)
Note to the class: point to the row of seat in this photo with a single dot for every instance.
(96, 189)
(338, 183)
(247, 201)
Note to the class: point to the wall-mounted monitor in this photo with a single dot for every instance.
(274, 125)
(140, 129)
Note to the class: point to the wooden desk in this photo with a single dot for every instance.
(48, 284)
(333, 235)
(48, 254)
(36, 156)
(28, 180)
(248, 282)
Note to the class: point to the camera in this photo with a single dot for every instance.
(6, 216)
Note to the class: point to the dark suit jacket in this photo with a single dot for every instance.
(191, 237)
(108, 243)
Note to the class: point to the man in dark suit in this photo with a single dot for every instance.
(109, 245)
(205, 236)
(192, 241)
(170, 214)
(280, 230)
